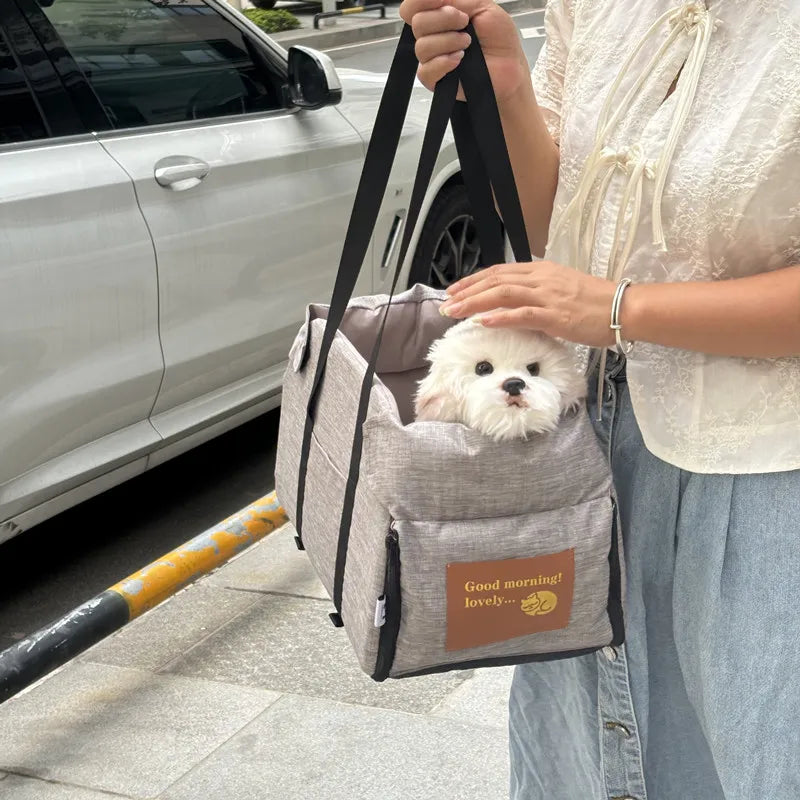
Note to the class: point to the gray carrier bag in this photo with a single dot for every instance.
(441, 549)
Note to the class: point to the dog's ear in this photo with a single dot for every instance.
(573, 391)
(438, 406)
(435, 400)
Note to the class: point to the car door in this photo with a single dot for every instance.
(245, 198)
(80, 360)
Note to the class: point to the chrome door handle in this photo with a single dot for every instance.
(179, 173)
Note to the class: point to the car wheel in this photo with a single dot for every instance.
(448, 247)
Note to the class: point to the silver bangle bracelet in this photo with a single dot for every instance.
(623, 348)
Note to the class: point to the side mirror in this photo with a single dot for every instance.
(313, 82)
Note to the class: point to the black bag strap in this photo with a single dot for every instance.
(484, 158)
(479, 189)
(478, 131)
(444, 99)
(366, 206)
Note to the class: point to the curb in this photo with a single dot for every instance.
(370, 31)
(323, 40)
(52, 646)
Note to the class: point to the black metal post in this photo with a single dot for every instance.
(354, 10)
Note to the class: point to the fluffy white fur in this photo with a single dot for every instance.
(453, 391)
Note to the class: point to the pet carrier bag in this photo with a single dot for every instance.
(441, 548)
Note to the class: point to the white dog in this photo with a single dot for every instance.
(503, 383)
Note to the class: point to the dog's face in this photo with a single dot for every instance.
(503, 383)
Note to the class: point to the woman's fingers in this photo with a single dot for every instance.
(503, 282)
(410, 8)
(441, 44)
(490, 299)
(434, 70)
(440, 20)
(527, 317)
(491, 275)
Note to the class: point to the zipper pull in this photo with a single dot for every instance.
(380, 611)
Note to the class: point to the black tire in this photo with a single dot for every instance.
(448, 246)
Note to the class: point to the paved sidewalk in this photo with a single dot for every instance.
(239, 688)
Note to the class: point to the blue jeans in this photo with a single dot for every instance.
(703, 701)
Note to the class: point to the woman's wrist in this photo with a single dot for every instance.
(630, 313)
(752, 317)
(518, 106)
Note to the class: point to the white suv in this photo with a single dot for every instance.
(173, 190)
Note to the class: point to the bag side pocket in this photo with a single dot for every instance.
(392, 605)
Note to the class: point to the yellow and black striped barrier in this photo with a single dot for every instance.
(352, 10)
(54, 645)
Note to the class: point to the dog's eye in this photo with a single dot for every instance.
(484, 368)
(533, 369)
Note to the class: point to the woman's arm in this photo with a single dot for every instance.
(534, 160)
(756, 317)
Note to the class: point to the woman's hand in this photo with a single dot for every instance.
(541, 296)
(438, 26)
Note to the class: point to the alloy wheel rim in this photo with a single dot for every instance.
(457, 253)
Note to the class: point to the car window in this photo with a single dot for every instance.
(20, 120)
(157, 61)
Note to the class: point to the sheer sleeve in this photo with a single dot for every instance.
(548, 72)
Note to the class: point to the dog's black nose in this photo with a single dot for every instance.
(514, 386)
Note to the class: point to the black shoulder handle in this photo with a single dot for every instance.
(488, 175)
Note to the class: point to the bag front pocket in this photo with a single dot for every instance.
(483, 591)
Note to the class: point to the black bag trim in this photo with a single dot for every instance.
(503, 661)
(616, 614)
(392, 596)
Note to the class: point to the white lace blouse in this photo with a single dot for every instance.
(702, 183)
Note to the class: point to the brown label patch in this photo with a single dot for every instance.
(491, 601)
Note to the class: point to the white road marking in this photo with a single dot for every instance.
(536, 32)
(360, 44)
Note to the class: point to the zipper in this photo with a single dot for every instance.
(391, 609)
(615, 567)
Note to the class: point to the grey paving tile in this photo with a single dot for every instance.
(288, 644)
(481, 700)
(164, 633)
(121, 730)
(273, 565)
(19, 788)
(307, 749)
